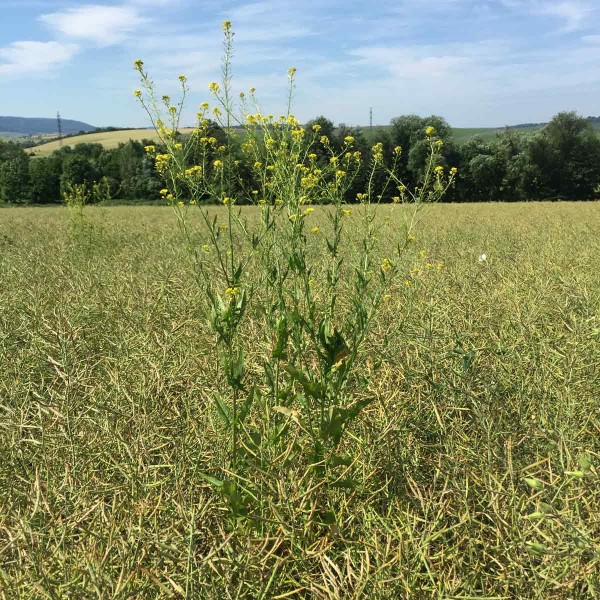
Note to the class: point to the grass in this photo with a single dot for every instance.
(482, 374)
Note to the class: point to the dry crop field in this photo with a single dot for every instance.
(475, 466)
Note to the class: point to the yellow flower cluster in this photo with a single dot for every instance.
(161, 161)
(150, 149)
(386, 265)
(430, 131)
(196, 170)
(377, 151)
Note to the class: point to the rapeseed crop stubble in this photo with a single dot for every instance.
(471, 470)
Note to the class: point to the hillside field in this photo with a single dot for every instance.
(477, 459)
(112, 139)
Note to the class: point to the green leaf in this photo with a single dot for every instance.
(282, 338)
(536, 548)
(347, 484)
(585, 462)
(216, 482)
(337, 461)
(576, 474)
(535, 515)
(534, 483)
(245, 407)
(223, 410)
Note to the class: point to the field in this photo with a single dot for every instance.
(478, 457)
(111, 139)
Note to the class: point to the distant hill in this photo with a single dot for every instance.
(592, 120)
(35, 126)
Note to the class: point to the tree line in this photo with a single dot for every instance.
(561, 161)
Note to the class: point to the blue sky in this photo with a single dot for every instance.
(477, 63)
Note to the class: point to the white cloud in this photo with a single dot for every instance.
(575, 14)
(33, 57)
(102, 25)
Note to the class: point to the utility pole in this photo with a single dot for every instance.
(59, 125)
(371, 118)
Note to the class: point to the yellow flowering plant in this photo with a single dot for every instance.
(316, 306)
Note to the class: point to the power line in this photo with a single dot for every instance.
(59, 125)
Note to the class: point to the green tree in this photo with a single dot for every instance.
(44, 177)
(14, 179)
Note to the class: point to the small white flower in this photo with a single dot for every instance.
(483, 258)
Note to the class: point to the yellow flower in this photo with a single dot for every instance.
(315, 229)
(453, 171)
(205, 247)
(333, 160)
(415, 271)
(193, 202)
(205, 106)
(347, 211)
(227, 201)
(226, 25)
(324, 140)
(410, 239)
(387, 297)
(308, 211)
(292, 218)
(396, 199)
(422, 252)
(137, 93)
(278, 202)
(180, 204)
(440, 266)
(182, 78)
(252, 90)
(340, 174)
(231, 291)
(316, 128)
(214, 87)
(386, 265)
(257, 164)
(348, 139)
(218, 164)
(429, 266)
(164, 192)
(149, 149)
(223, 226)
(439, 169)
(429, 131)
(408, 282)
(178, 146)
(292, 71)
(138, 64)
(398, 150)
